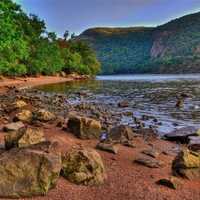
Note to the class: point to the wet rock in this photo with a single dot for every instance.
(194, 143)
(83, 166)
(171, 182)
(123, 104)
(180, 103)
(187, 165)
(28, 172)
(15, 126)
(148, 162)
(121, 134)
(151, 152)
(181, 135)
(111, 148)
(23, 137)
(24, 116)
(44, 115)
(83, 127)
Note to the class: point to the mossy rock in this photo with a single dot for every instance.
(24, 137)
(83, 166)
(28, 172)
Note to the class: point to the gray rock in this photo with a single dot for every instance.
(181, 135)
(111, 148)
(149, 162)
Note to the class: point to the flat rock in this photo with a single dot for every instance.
(151, 152)
(111, 148)
(181, 135)
(15, 126)
(171, 182)
(148, 162)
(194, 143)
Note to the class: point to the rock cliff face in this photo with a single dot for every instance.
(170, 48)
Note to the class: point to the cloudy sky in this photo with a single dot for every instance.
(78, 15)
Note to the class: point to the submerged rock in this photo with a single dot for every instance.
(83, 166)
(187, 164)
(23, 137)
(84, 128)
(123, 104)
(28, 172)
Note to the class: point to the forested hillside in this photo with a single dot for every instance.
(27, 48)
(171, 48)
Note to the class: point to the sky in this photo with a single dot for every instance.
(79, 15)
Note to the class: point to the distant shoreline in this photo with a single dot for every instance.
(23, 83)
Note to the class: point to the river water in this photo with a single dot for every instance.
(151, 98)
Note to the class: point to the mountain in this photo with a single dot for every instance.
(170, 48)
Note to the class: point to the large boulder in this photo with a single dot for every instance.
(28, 172)
(121, 134)
(24, 116)
(83, 166)
(24, 137)
(84, 128)
(187, 164)
(15, 126)
(44, 115)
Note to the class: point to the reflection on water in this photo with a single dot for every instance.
(151, 95)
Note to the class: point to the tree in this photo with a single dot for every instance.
(66, 35)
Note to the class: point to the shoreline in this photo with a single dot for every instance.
(24, 83)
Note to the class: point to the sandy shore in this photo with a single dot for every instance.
(6, 83)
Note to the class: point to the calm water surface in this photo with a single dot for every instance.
(151, 95)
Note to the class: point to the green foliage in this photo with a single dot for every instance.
(80, 58)
(171, 48)
(46, 58)
(27, 48)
